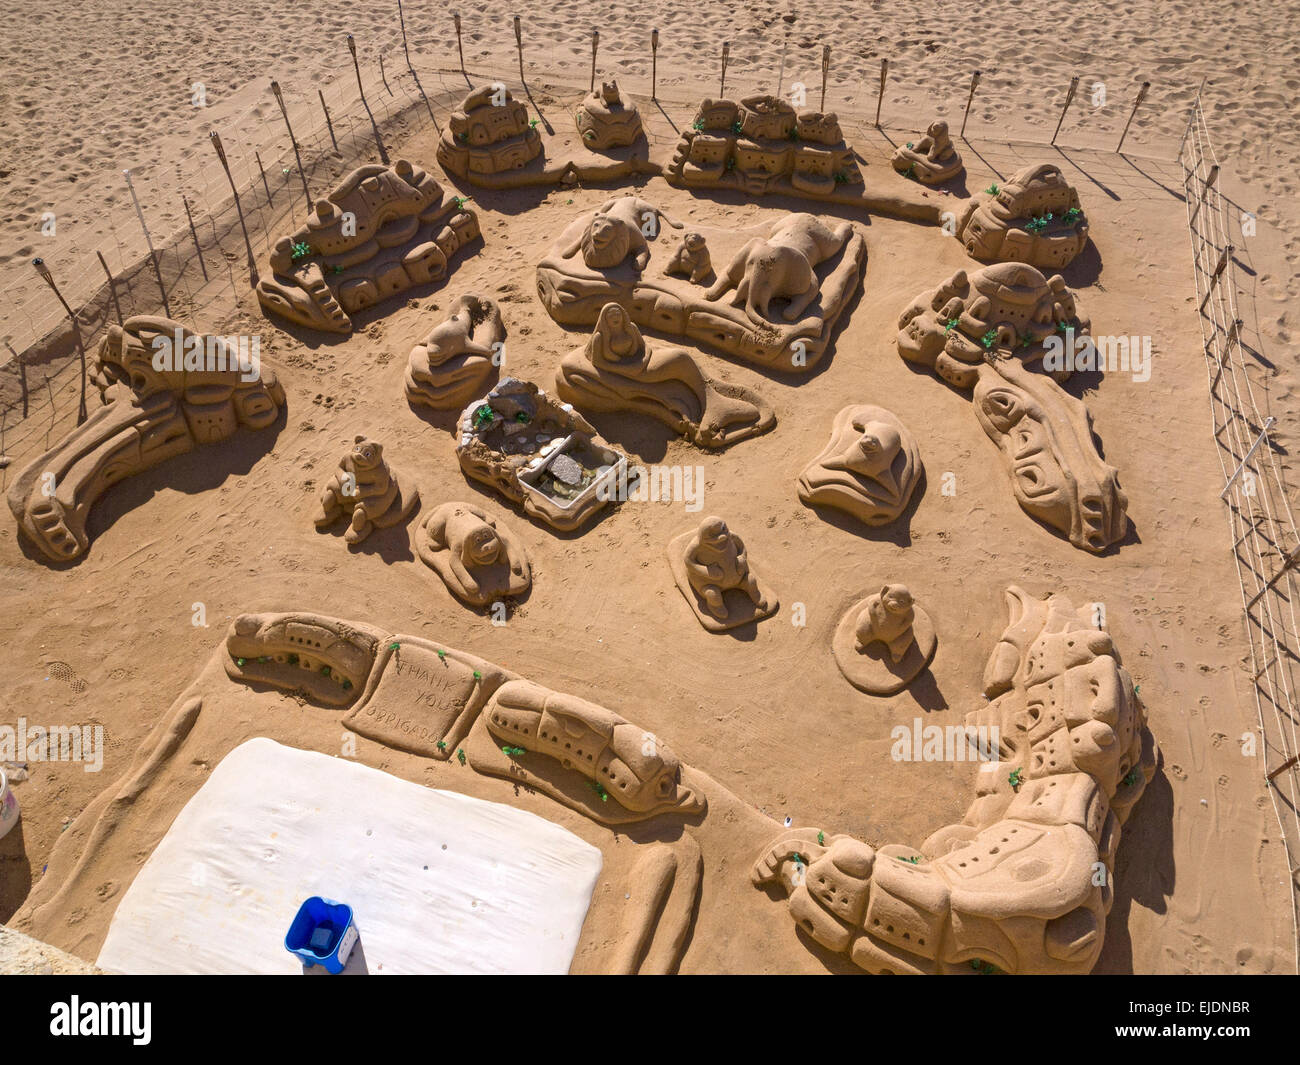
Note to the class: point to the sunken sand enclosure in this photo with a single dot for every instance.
(310, 640)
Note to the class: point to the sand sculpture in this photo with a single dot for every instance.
(208, 387)
(983, 332)
(1024, 883)
(538, 453)
(712, 571)
(790, 280)
(1034, 218)
(365, 491)
(869, 469)
(480, 560)
(456, 361)
(616, 370)
(605, 120)
(932, 160)
(884, 642)
(760, 145)
(691, 259)
(383, 230)
(490, 133)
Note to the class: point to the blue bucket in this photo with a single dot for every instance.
(322, 933)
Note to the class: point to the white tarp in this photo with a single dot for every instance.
(439, 882)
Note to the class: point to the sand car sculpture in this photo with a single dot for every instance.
(382, 231)
(984, 332)
(1024, 883)
(204, 392)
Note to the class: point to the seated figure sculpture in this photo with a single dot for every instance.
(479, 560)
(932, 159)
(456, 361)
(884, 642)
(617, 370)
(712, 571)
(365, 491)
(605, 120)
(869, 469)
(691, 259)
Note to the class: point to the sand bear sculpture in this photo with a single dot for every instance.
(691, 258)
(781, 266)
(1024, 883)
(711, 567)
(365, 491)
(616, 370)
(888, 617)
(619, 228)
(932, 159)
(884, 642)
(211, 388)
(869, 469)
(480, 560)
(605, 120)
(456, 361)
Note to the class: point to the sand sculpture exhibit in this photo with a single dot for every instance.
(458, 358)
(884, 641)
(539, 454)
(691, 259)
(1024, 883)
(1035, 217)
(789, 281)
(617, 371)
(365, 491)
(490, 133)
(605, 120)
(382, 231)
(932, 160)
(712, 571)
(480, 560)
(164, 390)
(869, 469)
(984, 332)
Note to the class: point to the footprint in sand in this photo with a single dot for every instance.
(64, 672)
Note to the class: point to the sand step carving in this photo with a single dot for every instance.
(932, 160)
(869, 469)
(459, 357)
(1034, 218)
(209, 388)
(712, 571)
(539, 454)
(775, 304)
(382, 231)
(1024, 883)
(605, 120)
(616, 371)
(885, 641)
(986, 332)
(480, 560)
(365, 491)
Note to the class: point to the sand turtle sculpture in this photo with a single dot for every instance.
(458, 358)
(884, 642)
(932, 160)
(712, 571)
(1034, 218)
(605, 120)
(616, 370)
(365, 491)
(869, 469)
(480, 560)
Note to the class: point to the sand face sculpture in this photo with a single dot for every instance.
(458, 358)
(616, 370)
(605, 120)
(884, 642)
(691, 259)
(382, 231)
(480, 560)
(712, 571)
(365, 491)
(791, 279)
(538, 453)
(1034, 218)
(489, 134)
(932, 160)
(984, 332)
(1015, 887)
(207, 388)
(869, 469)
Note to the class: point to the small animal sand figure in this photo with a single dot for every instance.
(887, 617)
(716, 563)
(365, 490)
(479, 560)
(692, 259)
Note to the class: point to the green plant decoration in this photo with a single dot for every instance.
(989, 339)
(993, 189)
(301, 250)
(1014, 779)
(460, 755)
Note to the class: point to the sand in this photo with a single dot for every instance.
(1202, 880)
